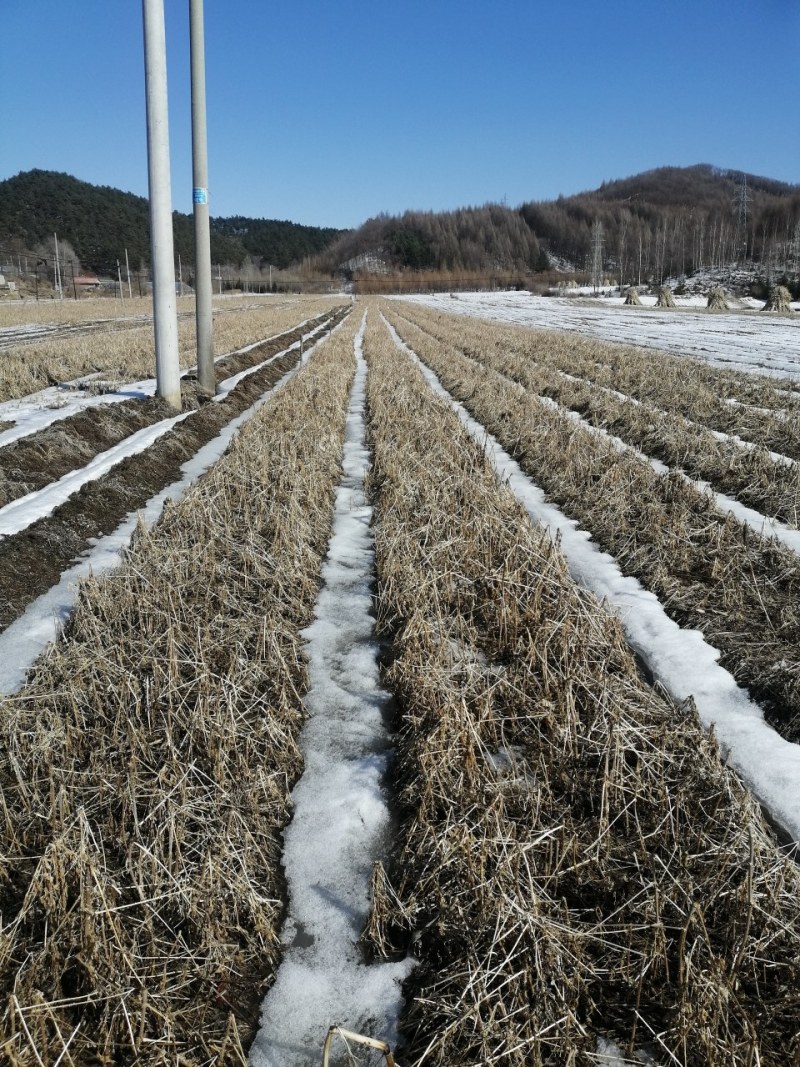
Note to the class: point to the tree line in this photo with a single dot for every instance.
(99, 223)
(477, 240)
(663, 223)
(675, 221)
(668, 222)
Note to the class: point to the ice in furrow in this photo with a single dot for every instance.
(341, 820)
(30, 414)
(24, 511)
(680, 659)
(25, 639)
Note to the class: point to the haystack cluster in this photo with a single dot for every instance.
(664, 297)
(709, 570)
(574, 860)
(778, 299)
(717, 300)
(145, 769)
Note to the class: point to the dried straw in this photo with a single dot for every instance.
(709, 570)
(574, 859)
(145, 770)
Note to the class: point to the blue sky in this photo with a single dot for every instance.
(329, 113)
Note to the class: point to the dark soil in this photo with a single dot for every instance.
(34, 462)
(32, 560)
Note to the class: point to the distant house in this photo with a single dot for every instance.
(87, 283)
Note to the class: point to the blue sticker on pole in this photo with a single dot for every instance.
(200, 195)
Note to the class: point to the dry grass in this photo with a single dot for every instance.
(145, 769)
(747, 473)
(117, 315)
(710, 571)
(122, 350)
(574, 858)
(765, 411)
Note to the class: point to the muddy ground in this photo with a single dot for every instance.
(32, 560)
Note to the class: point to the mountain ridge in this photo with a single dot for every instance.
(668, 221)
(100, 222)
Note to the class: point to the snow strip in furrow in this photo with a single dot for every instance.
(732, 438)
(24, 640)
(40, 410)
(757, 521)
(680, 659)
(341, 822)
(23, 512)
(225, 386)
(37, 411)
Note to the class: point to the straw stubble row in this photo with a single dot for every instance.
(146, 767)
(127, 354)
(747, 473)
(763, 410)
(710, 571)
(574, 859)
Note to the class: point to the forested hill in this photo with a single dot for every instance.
(663, 222)
(100, 223)
(488, 238)
(676, 219)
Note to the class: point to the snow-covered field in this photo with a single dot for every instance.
(760, 342)
(344, 802)
(680, 659)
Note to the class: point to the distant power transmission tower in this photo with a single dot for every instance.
(597, 254)
(741, 200)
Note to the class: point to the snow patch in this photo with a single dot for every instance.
(743, 341)
(341, 821)
(681, 659)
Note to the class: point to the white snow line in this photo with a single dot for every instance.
(24, 640)
(776, 413)
(733, 439)
(24, 511)
(680, 659)
(341, 821)
(32, 415)
(755, 520)
(35, 412)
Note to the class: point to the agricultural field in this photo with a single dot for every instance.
(436, 682)
(744, 339)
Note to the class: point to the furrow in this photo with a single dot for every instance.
(145, 769)
(709, 571)
(574, 863)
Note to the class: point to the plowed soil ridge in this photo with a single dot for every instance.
(32, 561)
(33, 462)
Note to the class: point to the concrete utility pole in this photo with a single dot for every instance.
(57, 270)
(597, 254)
(206, 375)
(165, 313)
